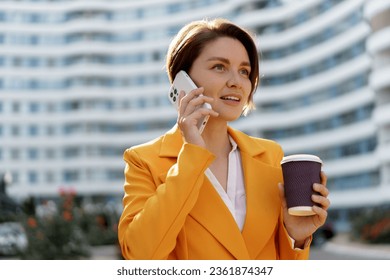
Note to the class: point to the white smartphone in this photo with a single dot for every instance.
(183, 82)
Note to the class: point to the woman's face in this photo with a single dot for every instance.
(223, 69)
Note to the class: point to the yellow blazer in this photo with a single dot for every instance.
(172, 211)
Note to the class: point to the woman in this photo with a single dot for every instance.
(215, 195)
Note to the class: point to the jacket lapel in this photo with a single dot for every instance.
(211, 212)
(263, 205)
(263, 202)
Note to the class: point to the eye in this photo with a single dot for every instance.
(219, 67)
(245, 72)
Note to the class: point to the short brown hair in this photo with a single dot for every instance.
(187, 45)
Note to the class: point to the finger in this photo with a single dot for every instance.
(205, 111)
(198, 100)
(320, 200)
(186, 98)
(321, 189)
(194, 93)
(195, 117)
(196, 107)
(322, 215)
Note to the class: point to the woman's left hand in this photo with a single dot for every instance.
(301, 227)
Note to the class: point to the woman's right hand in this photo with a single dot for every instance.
(190, 112)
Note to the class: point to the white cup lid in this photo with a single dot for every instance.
(301, 157)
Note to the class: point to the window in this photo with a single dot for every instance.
(70, 175)
(354, 181)
(32, 177)
(33, 130)
(71, 152)
(15, 130)
(32, 153)
(114, 174)
(49, 177)
(15, 154)
(50, 130)
(50, 153)
(34, 107)
(16, 107)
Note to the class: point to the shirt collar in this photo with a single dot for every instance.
(233, 143)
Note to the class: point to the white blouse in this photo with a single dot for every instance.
(235, 196)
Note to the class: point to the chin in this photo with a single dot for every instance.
(229, 115)
(231, 118)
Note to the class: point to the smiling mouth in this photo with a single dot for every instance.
(230, 98)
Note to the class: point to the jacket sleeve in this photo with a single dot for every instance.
(286, 250)
(154, 215)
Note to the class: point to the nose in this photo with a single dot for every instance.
(234, 80)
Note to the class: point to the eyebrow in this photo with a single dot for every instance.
(225, 60)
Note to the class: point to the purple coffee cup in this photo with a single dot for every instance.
(300, 172)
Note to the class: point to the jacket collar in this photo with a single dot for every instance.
(173, 141)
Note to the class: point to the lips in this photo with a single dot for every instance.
(231, 98)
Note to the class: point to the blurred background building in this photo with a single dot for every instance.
(80, 81)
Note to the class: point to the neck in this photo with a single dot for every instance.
(216, 137)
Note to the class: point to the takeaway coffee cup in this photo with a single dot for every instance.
(300, 172)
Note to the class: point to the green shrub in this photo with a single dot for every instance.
(67, 232)
(373, 225)
(57, 236)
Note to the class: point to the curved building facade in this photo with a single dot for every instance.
(80, 81)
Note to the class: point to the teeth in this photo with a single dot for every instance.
(231, 98)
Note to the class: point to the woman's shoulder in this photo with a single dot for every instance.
(152, 145)
(266, 142)
(253, 140)
(168, 143)
(266, 150)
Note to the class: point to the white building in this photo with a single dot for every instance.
(80, 81)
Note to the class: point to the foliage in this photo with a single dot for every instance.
(56, 235)
(373, 225)
(65, 231)
(100, 228)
